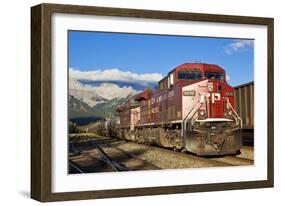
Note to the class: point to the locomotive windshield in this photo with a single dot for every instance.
(189, 75)
(215, 75)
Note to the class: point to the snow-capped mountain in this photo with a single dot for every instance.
(93, 95)
(78, 108)
(111, 91)
(84, 93)
(108, 109)
(99, 101)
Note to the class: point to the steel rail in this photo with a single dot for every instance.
(115, 165)
(105, 158)
(75, 167)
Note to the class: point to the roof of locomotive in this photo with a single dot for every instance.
(198, 66)
(186, 66)
(142, 95)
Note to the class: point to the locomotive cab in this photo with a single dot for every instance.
(191, 73)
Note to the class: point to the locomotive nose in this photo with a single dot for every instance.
(215, 104)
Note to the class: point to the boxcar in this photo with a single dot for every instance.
(244, 106)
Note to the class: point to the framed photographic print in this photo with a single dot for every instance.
(130, 102)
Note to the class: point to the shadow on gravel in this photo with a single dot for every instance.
(90, 160)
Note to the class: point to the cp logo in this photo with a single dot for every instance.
(210, 96)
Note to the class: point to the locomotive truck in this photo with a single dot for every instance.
(191, 110)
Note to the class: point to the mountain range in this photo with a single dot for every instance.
(98, 100)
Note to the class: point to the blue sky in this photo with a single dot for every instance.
(140, 54)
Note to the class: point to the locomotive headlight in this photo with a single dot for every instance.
(210, 86)
(188, 93)
(202, 112)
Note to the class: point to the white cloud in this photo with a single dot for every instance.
(227, 78)
(115, 75)
(238, 45)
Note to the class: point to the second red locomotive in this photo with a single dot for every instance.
(191, 110)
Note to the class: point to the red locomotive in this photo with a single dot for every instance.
(191, 110)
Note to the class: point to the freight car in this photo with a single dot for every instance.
(244, 105)
(191, 110)
(105, 127)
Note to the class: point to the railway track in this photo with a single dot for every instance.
(113, 155)
(113, 159)
(74, 167)
(114, 164)
(215, 161)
